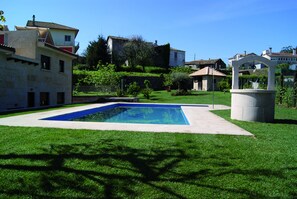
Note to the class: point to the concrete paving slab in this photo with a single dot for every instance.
(201, 120)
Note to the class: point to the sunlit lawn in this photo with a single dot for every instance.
(61, 163)
(197, 97)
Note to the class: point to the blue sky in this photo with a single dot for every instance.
(204, 29)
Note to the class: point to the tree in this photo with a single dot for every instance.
(182, 80)
(138, 52)
(96, 53)
(283, 68)
(287, 49)
(2, 19)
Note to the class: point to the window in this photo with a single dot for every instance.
(45, 62)
(175, 55)
(31, 99)
(60, 98)
(67, 38)
(1, 39)
(61, 66)
(44, 99)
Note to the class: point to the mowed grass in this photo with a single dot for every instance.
(200, 97)
(62, 163)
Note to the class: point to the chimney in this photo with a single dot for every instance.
(270, 51)
(294, 51)
(33, 20)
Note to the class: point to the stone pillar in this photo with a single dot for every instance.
(271, 77)
(235, 73)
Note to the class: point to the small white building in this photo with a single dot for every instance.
(176, 57)
(34, 72)
(206, 79)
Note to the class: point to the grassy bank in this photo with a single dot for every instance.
(61, 163)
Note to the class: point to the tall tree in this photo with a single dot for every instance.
(2, 19)
(287, 49)
(138, 52)
(96, 53)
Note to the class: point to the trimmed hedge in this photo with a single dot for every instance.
(90, 78)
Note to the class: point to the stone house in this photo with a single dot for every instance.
(217, 64)
(163, 58)
(34, 72)
(115, 47)
(206, 79)
(176, 57)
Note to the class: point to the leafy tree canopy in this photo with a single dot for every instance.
(287, 49)
(2, 19)
(97, 53)
(138, 52)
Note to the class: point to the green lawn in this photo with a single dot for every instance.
(60, 163)
(200, 97)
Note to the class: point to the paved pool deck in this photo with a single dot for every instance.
(201, 120)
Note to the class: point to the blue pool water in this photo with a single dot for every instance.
(129, 113)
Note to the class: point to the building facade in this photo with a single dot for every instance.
(282, 58)
(176, 57)
(163, 58)
(217, 64)
(63, 37)
(34, 73)
(115, 46)
(206, 79)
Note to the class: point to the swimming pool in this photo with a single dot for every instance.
(129, 113)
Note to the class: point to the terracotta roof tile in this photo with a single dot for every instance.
(207, 71)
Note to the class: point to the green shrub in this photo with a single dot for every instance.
(133, 89)
(156, 70)
(181, 69)
(124, 68)
(288, 96)
(181, 79)
(224, 85)
(120, 93)
(167, 80)
(147, 90)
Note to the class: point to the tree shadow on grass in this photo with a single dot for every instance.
(285, 121)
(108, 169)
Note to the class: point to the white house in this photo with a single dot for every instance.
(34, 72)
(280, 58)
(63, 36)
(176, 57)
(240, 56)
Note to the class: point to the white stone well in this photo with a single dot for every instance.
(253, 104)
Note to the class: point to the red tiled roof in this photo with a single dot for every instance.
(282, 55)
